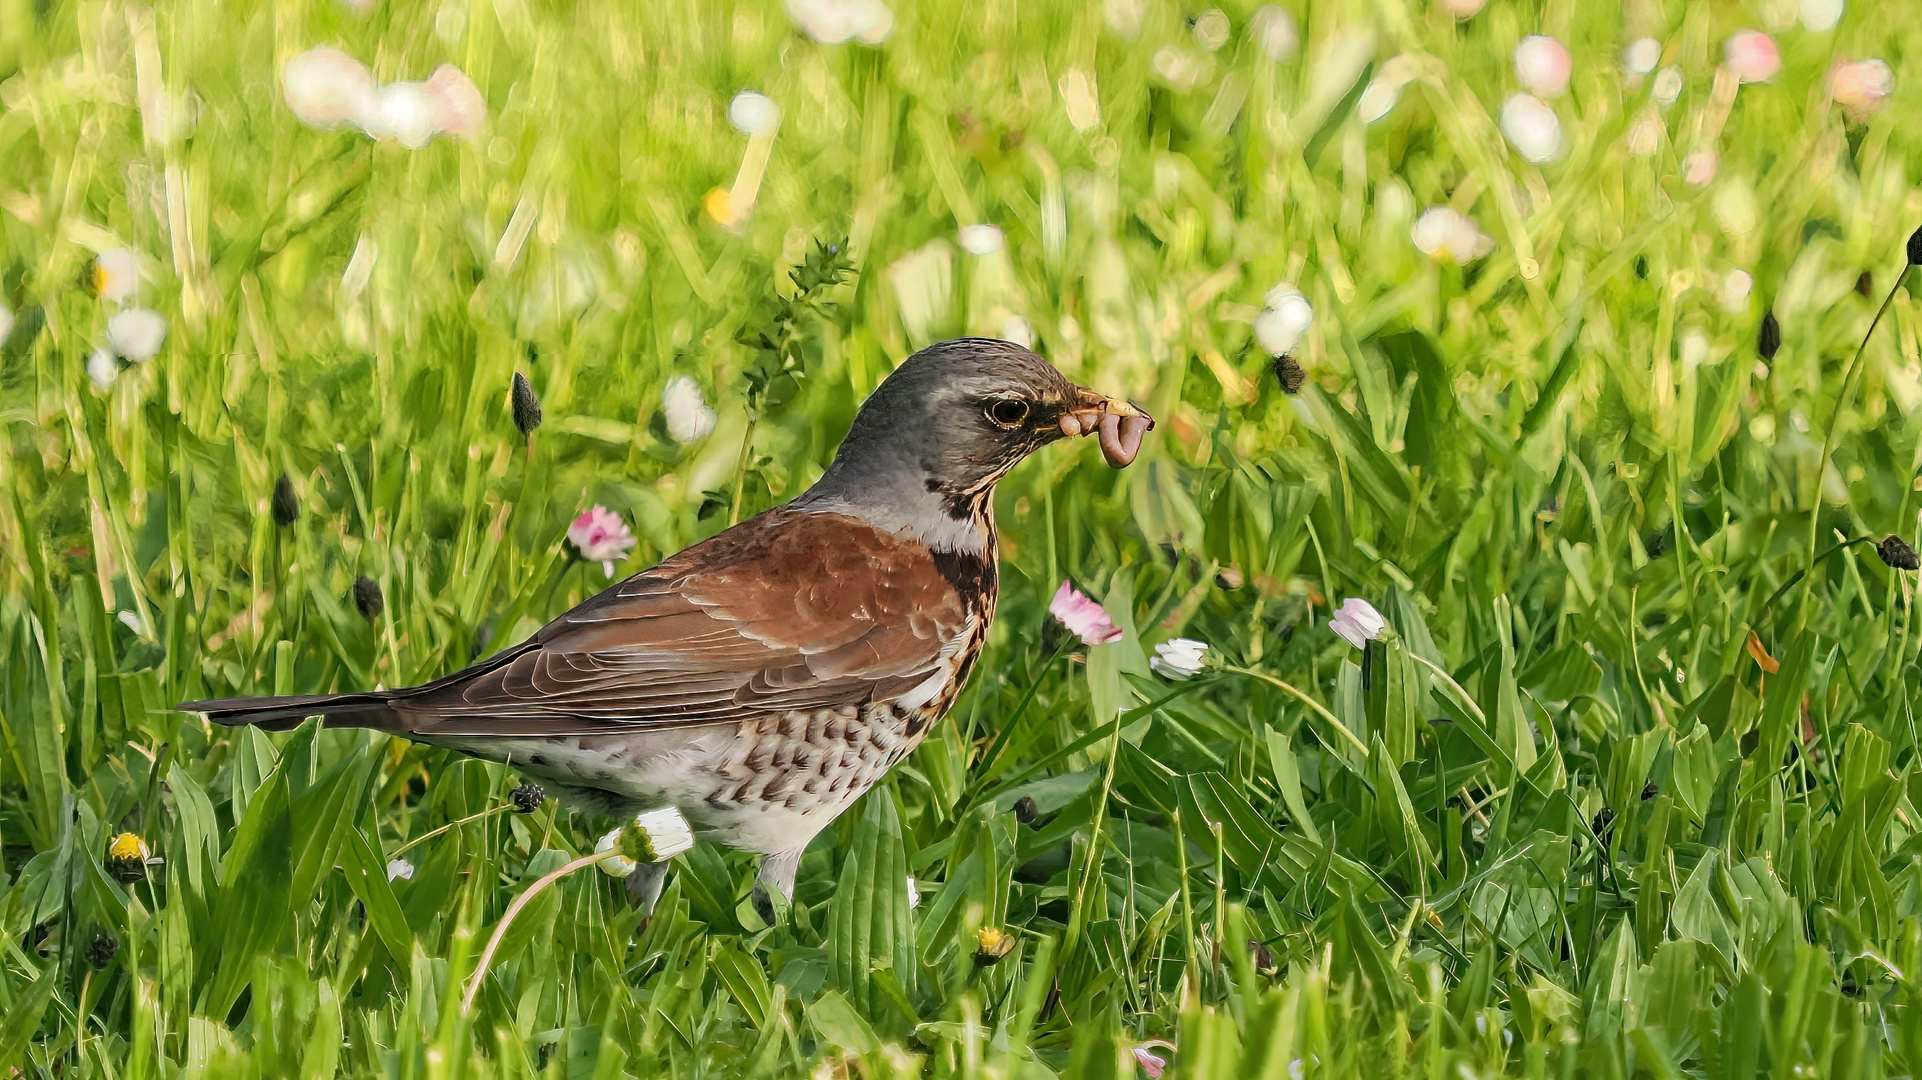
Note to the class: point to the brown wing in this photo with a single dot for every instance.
(790, 610)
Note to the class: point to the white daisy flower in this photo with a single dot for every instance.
(1444, 235)
(400, 870)
(1861, 87)
(753, 114)
(1179, 658)
(689, 419)
(980, 239)
(653, 837)
(137, 333)
(1532, 127)
(116, 274)
(835, 22)
(1357, 622)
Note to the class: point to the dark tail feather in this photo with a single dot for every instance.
(369, 710)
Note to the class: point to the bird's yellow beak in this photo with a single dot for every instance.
(1117, 423)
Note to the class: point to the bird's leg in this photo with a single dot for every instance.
(777, 875)
(644, 887)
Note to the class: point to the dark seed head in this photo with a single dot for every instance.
(1024, 810)
(1603, 824)
(1865, 283)
(1289, 374)
(1264, 960)
(1915, 247)
(368, 599)
(528, 798)
(1897, 553)
(1769, 341)
(286, 504)
(527, 407)
(101, 949)
(1649, 791)
(1656, 545)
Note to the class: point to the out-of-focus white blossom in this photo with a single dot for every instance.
(980, 239)
(1861, 87)
(1694, 348)
(1645, 132)
(137, 333)
(1211, 29)
(1641, 56)
(1463, 9)
(1280, 325)
(1667, 86)
(753, 114)
(1019, 331)
(1444, 235)
(1752, 55)
(688, 417)
(1382, 93)
(102, 368)
(1820, 16)
(1081, 98)
(835, 22)
(400, 870)
(1123, 16)
(460, 109)
(406, 113)
(1177, 67)
(1532, 127)
(1700, 167)
(327, 88)
(116, 274)
(1736, 288)
(1542, 65)
(1274, 30)
(6, 323)
(914, 894)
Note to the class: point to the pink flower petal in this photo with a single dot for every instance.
(1083, 617)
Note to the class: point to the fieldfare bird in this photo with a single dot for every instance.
(761, 680)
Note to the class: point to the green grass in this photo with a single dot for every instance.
(1606, 843)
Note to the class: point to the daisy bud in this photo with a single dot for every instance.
(1861, 87)
(1897, 553)
(1641, 56)
(285, 505)
(1264, 960)
(1752, 55)
(1769, 341)
(1532, 127)
(1865, 284)
(1667, 86)
(127, 858)
(980, 239)
(1151, 1063)
(528, 798)
(527, 407)
(368, 599)
(652, 837)
(1820, 16)
(1542, 65)
(1358, 623)
(991, 944)
(101, 950)
(1024, 810)
(1915, 247)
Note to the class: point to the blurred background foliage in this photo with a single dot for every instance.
(1620, 794)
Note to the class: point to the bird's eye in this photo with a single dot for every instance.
(1008, 412)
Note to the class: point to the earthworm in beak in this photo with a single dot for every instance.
(1120, 435)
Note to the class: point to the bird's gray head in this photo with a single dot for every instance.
(956, 416)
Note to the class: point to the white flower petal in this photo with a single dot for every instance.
(102, 368)
(1641, 56)
(689, 419)
(405, 112)
(1532, 127)
(327, 88)
(753, 114)
(137, 333)
(980, 239)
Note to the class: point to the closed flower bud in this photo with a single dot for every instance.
(101, 950)
(1264, 960)
(1024, 810)
(1897, 553)
(528, 798)
(1604, 824)
(286, 504)
(1915, 247)
(527, 407)
(368, 599)
(127, 857)
(1289, 374)
(1769, 341)
(1649, 791)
